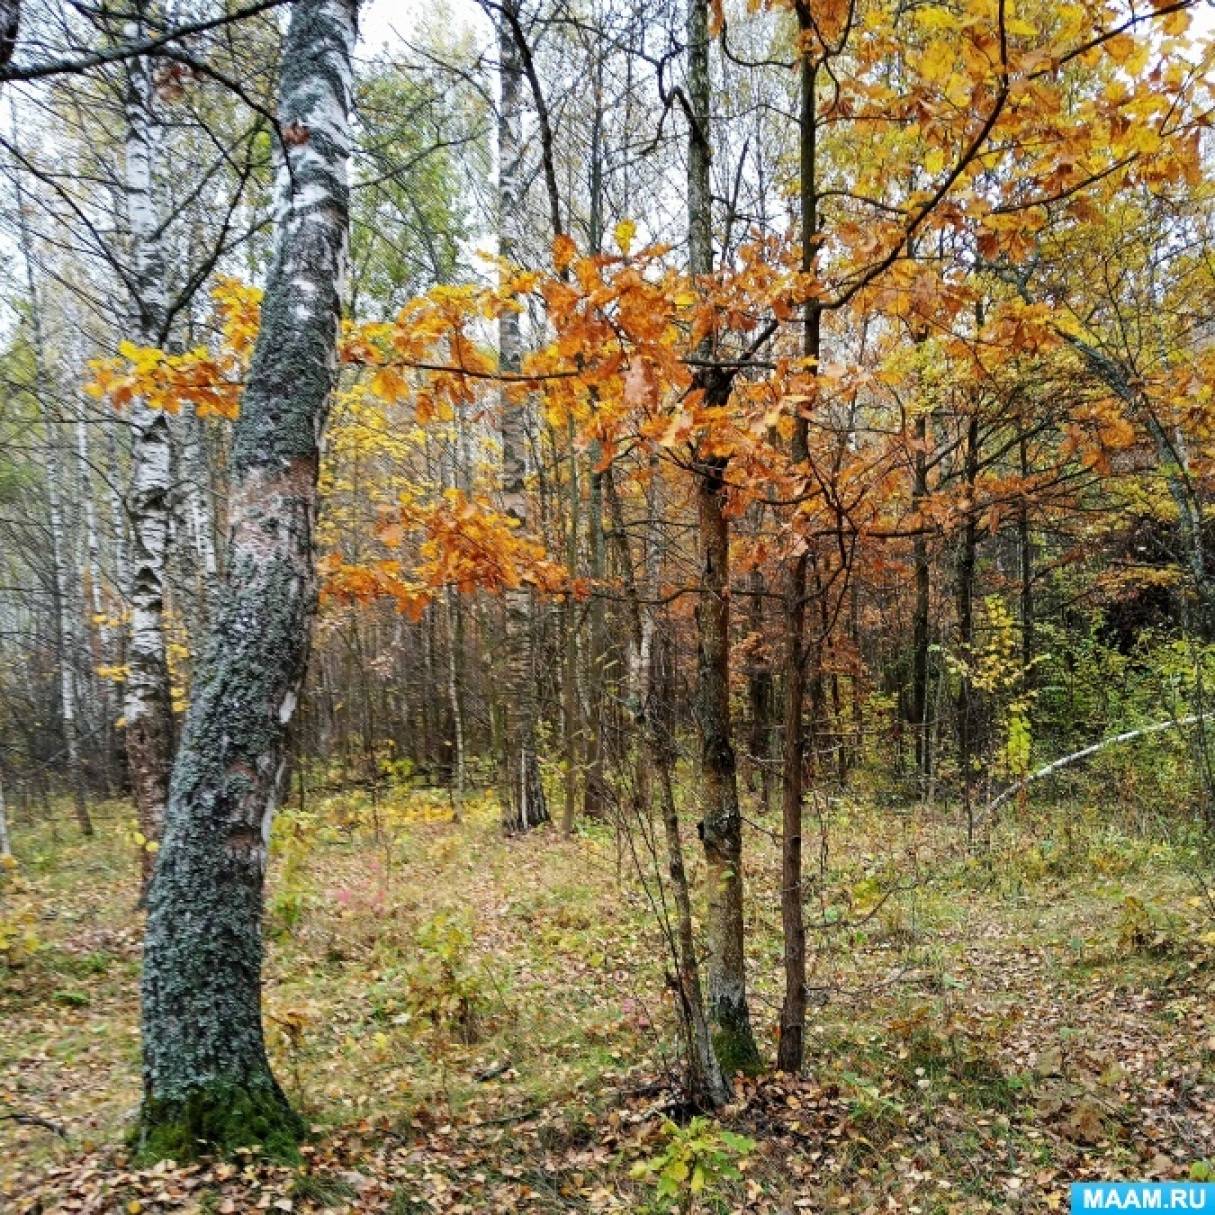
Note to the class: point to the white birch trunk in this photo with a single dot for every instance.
(524, 804)
(147, 707)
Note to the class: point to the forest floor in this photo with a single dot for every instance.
(479, 1024)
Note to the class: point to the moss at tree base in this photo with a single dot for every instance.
(217, 1121)
(736, 1051)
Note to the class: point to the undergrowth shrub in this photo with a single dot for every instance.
(693, 1164)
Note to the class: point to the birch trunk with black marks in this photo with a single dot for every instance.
(207, 1081)
(721, 829)
(147, 700)
(524, 804)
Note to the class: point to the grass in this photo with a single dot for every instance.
(468, 1018)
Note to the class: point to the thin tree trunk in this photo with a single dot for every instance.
(206, 1075)
(721, 829)
(569, 669)
(594, 792)
(966, 705)
(921, 631)
(455, 645)
(6, 846)
(524, 804)
(1025, 544)
(707, 1087)
(722, 825)
(759, 696)
(100, 633)
(791, 1046)
(148, 706)
(69, 633)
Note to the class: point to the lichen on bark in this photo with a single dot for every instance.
(208, 1085)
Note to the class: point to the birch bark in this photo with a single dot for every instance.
(147, 702)
(524, 804)
(207, 1080)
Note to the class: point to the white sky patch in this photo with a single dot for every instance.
(384, 24)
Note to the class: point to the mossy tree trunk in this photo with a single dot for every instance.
(207, 1081)
(721, 829)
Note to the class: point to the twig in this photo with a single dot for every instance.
(35, 1120)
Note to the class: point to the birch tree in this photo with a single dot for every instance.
(207, 1079)
(147, 707)
(524, 803)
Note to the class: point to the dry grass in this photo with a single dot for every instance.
(474, 1020)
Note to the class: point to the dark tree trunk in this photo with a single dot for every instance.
(707, 1087)
(791, 1046)
(722, 826)
(921, 633)
(759, 696)
(1025, 544)
(966, 628)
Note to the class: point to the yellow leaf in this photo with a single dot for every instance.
(933, 17)
(1177, 23)
(564, 251)
(937, 62)
(626, 229)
